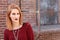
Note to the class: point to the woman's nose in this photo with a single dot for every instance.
(16, 15)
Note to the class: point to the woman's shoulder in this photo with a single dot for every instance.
(6, 30)
(27, 25)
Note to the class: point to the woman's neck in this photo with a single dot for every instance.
(16, 24)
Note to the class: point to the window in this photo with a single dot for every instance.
(48, 12)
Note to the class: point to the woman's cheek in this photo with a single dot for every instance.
(18, 16)
(12, 17)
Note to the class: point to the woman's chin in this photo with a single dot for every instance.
(15, 21)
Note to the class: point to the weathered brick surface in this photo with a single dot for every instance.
(29, 9)
(3, 8)
(50, 35)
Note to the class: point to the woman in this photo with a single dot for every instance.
(16, 29)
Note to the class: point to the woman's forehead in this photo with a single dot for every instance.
(14, 10)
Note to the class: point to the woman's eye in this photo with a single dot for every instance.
(13, 13)
(17, 13)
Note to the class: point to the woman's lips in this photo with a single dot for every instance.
(16, 19)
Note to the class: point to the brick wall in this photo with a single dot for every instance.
(3, 8)
(29, 11)
(49, 35)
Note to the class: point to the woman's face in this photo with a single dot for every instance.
(14, 15)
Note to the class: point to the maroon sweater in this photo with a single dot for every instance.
(25, 33)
